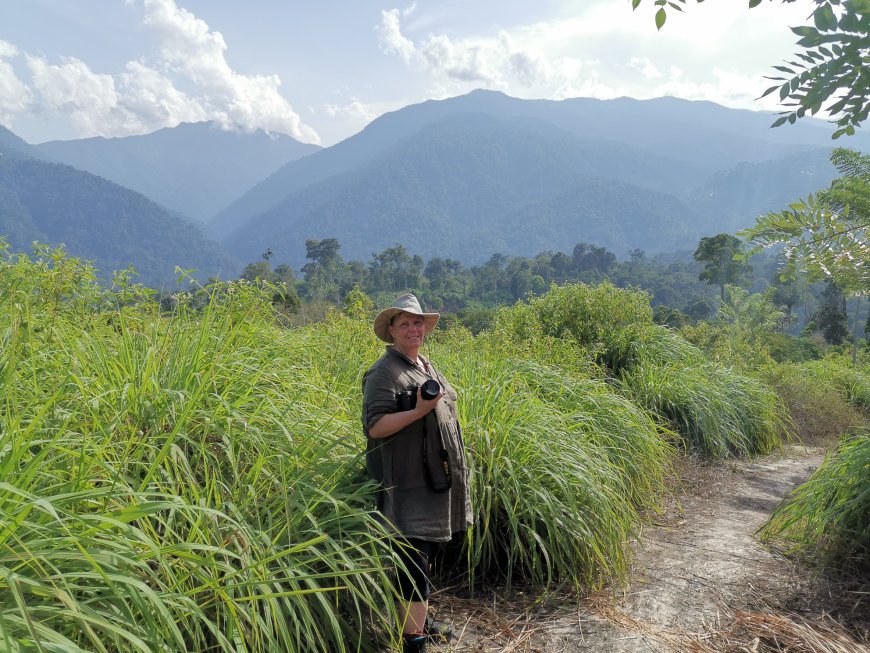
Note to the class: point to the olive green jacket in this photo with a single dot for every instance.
(396, 462)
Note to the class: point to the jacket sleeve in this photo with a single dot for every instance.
(379, 395)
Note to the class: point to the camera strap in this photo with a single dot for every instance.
(436, 463)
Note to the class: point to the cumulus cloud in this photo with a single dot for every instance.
(355, 111)
(594, 50)
(495, 62)
(148, 94)
(191, 50)
(645, 67)
(15, 97)
(390, 36)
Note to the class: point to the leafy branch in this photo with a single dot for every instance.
(832, 74)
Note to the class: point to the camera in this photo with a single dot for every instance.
(407, 399)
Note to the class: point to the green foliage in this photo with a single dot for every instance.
(602, 319)
(828, 517)
(853, 383)
(170, 482)
(826, 234)
(721, 266)
(831, 319)
(716, 411)
(832, 66)
(713, 409)
(824, 397)
(562, 467)
(748, 324)
(192, 479)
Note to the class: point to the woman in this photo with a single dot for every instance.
(415, 452)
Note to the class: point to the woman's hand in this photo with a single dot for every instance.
(426, 405)
(395, 422)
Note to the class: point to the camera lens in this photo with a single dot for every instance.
(430, 389)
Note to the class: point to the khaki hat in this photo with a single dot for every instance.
(407, 303)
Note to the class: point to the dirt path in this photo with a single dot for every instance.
(702, 582)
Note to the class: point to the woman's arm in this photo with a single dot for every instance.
(394, 422)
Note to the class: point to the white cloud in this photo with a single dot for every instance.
(355, 110)
(153, 97)
(72, 88)
(15, 97)
(188, 48)
(7, 50)
(728, 88)
(604, 50)
(148, 94)
(494, 62)
(645, 67)
(390, 35)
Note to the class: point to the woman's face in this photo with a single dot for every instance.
(408, 331)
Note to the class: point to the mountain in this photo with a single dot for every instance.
(14, 147)
(731, 198)
(195, 169)
(99, 220)
(468, 186)
(455, 177)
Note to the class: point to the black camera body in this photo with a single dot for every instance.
(407, 399)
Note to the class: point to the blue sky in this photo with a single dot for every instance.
(320, 70)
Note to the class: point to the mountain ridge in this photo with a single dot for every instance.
(194, 168)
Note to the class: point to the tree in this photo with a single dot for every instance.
(831, 320)
(720, 267)
(323, 272)
(395, 269)
(261, 270)
(827, 234)
(589, 257)
(831, 69)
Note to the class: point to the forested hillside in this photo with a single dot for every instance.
(101, 221)
(496, 165)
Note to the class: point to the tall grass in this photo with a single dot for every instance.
(828, 517)
(824, 398)
(193, 479)
(714, 409)
(562, 465)
(172, 483)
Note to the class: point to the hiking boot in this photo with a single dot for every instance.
(435, 631)
(414, 643)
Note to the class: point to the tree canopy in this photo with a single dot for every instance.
(721, 267)
(830, 74)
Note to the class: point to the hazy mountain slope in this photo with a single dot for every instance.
(611, 214)
(731, 199)
(13, 147)
(195, 169)
(701, 138)
(451, 190)
(103, 222)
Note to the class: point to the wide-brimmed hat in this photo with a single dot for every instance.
(407, 303)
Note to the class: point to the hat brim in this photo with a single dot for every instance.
(382, 321)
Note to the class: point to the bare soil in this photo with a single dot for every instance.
(701, 582)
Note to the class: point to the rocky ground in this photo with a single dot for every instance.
(701, 582)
